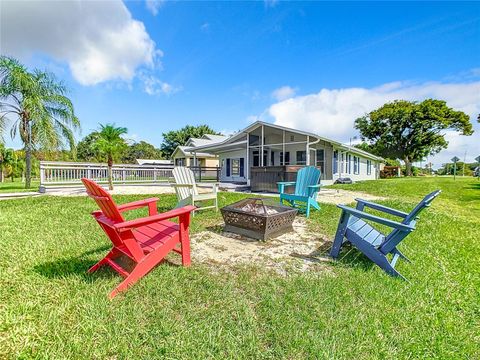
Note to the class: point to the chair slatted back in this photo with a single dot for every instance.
(306, 177)
(396, 236)
(104, 200)
(184, 176)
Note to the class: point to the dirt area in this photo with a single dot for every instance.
(299, 250)
(338, 196)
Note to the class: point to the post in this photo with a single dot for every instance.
(307, 154)
(42, 179)
(283, 149)
(455, 159)
(247, 160)
(261, 148)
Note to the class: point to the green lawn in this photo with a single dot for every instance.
(50, 307)
(17, 186)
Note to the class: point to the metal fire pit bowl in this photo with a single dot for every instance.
(255, 219)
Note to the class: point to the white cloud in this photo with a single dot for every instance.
(283, 93)
(332, 112)
(205, 27)
(270, 3)
(99, 40)
(154, 86)
(154, 6)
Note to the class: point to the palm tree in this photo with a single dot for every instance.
(42, 115)
(110, 144)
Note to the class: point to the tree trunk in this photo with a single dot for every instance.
(28, 166)
(110, 173)
(1, 173)
(408, 167)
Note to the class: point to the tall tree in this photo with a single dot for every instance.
(8, 161)
(410, 131)
(175, 138)
(141, 150)
(111, 144)
(43, 115)
(86, 150)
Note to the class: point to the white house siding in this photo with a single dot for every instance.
(232, 155)
(362, 174)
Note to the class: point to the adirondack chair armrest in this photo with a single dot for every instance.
(182, 185)
(383, 208)
(379, 220)
(151, 203)
(213, 186)
(281, 185)
(131, 224)
(286, 183)
(312, 189)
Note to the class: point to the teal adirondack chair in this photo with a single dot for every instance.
(306, 189)
(376, 246)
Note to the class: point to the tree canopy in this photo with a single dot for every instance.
(175, 138)
(141, 150)
(410, 131)
(36, 102)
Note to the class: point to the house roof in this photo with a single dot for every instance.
(234, 139)
(153, 162)
(193, 143)
(186, 151)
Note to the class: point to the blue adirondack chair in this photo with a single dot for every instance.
(306, 189)
(376, 246)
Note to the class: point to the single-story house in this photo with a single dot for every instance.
(262, 148)
(182, 155)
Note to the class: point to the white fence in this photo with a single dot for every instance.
(58, 174)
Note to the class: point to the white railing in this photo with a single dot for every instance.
(53, 173)
(58, 173)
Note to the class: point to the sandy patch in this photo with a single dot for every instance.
(298, 250)
(339, 196)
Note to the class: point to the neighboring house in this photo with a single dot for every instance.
(153, 162)
(184, 156)
(286, 150)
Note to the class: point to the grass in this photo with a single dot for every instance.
(50, 307)
(8, 186)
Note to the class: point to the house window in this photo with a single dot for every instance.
(369, 167)
(256, 158)
(292, 138)
(301, 157)
(180, 162)
(235, 167)
(285, 161)
(321, 159)
(356, 165)
(272, 158)
(335, 162)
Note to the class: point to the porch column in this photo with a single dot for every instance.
(247, 160)
(261, 148)
(307, 160)
(282, 161)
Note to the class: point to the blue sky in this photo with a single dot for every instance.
(155, 66)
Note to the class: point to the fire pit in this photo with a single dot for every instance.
(252, 218)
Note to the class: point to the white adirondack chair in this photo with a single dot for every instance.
(187, 189)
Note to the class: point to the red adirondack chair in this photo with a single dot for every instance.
(146, 241)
